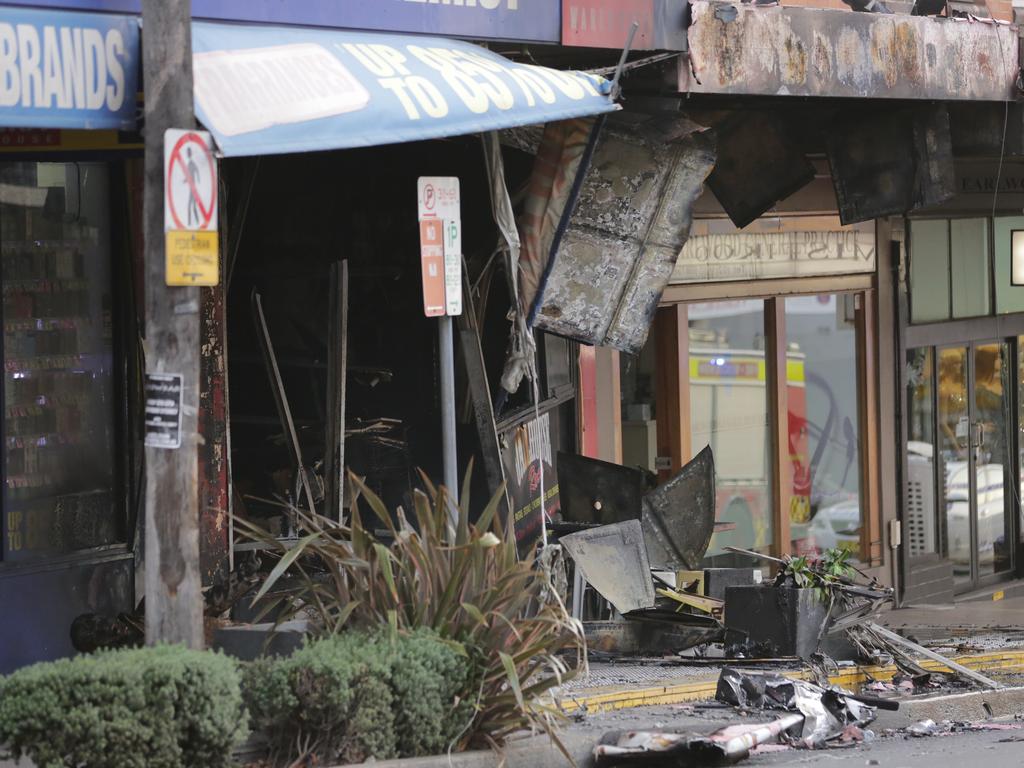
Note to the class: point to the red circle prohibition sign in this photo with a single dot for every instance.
(205, 212)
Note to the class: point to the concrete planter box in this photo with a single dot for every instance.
(765, 621)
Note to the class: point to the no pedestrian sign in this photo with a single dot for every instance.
(440, 244)
(190, 208)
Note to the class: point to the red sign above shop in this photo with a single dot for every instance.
(606, 23)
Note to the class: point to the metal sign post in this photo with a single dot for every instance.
(441, 261)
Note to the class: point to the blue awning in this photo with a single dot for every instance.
(264, 90)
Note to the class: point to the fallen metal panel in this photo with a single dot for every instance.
(595, 491)
(678, 516)
(632, 219)
(777, 51)
(640, 637)
(613, 560)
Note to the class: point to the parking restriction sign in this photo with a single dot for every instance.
(440, 244)
(190, 208)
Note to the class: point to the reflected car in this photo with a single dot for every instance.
(836, 527)
(991, 512)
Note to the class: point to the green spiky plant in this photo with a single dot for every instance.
(474, 592)
(819, 574)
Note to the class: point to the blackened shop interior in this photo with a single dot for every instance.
(307, 211)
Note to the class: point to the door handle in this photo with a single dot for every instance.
(977, 435)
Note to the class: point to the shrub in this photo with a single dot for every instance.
(474, 591)
(357, 695)
(163, 707)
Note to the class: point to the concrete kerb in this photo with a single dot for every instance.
(611, 698)
(972, 707)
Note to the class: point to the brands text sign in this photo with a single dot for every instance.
(67, 70)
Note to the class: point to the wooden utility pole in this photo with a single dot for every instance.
(174, 603)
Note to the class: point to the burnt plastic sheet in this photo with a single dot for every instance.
(656, 748)
(827, 711)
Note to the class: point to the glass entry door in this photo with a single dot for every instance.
(960, 499)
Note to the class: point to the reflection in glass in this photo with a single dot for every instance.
(729, 412)
(923, 533)
(823, 423)
(954, 444)
(991, 414)
(58, 359)
(1020, 433)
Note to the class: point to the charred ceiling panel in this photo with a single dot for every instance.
(911, 168)
(987, 130)
(632, 219)
(777, 51)
(759, 163)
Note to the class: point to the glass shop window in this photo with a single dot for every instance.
(950, 269)
(58, 386)
(824, 432)
(729, 412)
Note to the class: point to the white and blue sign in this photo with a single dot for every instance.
(67, 70)
(273, 90)
(526, 20)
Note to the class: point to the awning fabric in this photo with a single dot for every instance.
(274, 90)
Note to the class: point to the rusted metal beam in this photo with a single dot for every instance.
(777, 51)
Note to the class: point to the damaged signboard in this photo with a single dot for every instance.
(633, 217)
(530, 468)
(781, 51)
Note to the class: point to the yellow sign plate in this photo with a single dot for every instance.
(192, 258)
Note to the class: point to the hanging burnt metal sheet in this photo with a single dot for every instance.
(678, 517)
(913, 168)
(786, 51)
(613, 560)
(595, 491)
(632, 219)
(760, 161)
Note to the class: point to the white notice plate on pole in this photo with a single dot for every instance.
(439, 200)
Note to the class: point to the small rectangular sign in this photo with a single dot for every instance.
(192, 258)
(163, 410)
(432, 265)
(661, 24)
(453, 266)
(440, 244)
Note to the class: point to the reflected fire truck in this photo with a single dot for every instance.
(728, 411)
